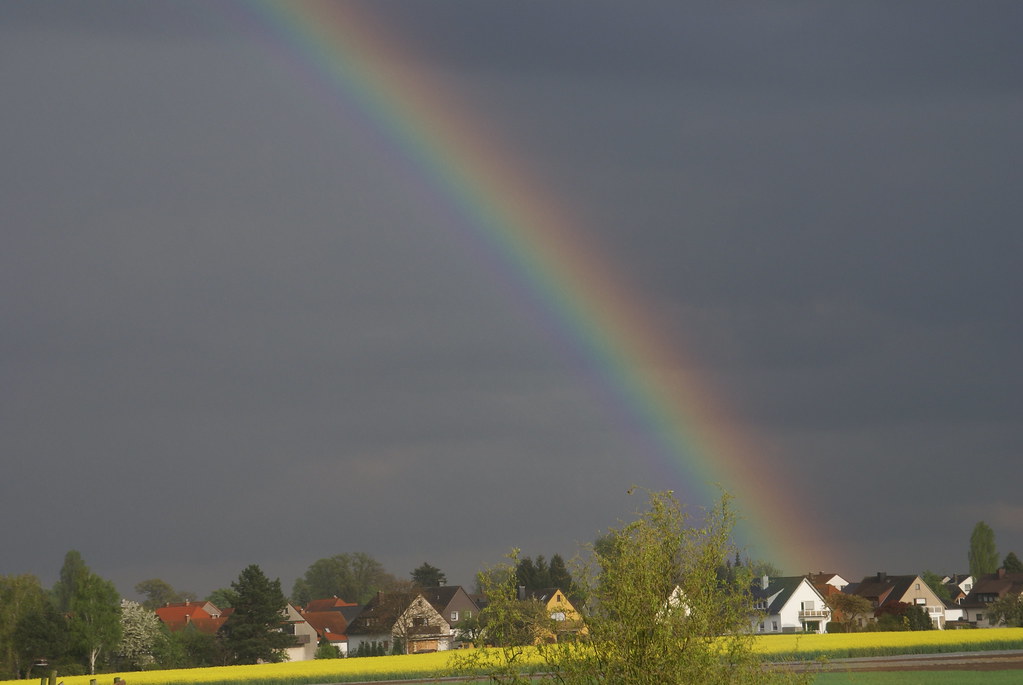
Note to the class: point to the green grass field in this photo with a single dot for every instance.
(921, 678)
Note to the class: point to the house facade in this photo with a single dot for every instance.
(884, 590)
(987, 589)
(403, 618)
(789, 604)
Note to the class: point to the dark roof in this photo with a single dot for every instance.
(882, 588)
(780, 589)
(1000, 584)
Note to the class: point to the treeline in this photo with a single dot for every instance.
(81, 625)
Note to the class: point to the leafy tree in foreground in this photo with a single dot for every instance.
(656, 610)
(253, 633)
(428, 576)
(983, 555)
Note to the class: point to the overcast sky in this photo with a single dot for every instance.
(235, 329)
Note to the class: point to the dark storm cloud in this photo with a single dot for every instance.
(238, 329)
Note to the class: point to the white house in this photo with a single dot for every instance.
(789, 604)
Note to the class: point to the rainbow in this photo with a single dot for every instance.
(364, 64)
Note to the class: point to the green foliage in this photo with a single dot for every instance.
(159, 593)
(22, 598)
(352, 577)
(189, 648)
(1008, 610)
(428, 576)
(325, 650)
(657, 612)
(222, 598)
(253, 632)
(1012, 564)
(983, 556)
(852, 609)
(71, 573)
(938, 587)
(93, 616)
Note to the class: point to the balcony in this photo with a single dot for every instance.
(815, 613)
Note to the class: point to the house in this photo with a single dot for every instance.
(202, 616)
(453, 603)
(885, 590)
(330, 627)
(989, 588)
(789, 604)
(304, 648)
(405, 618)
(558, 607)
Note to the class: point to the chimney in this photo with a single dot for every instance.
(522, 592)
(882, 577)
(764, 582)
(1001, 573)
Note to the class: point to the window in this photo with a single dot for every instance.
(419, 621)
(921, 600)
(454, 615)
(774, 626)
(917, 586)
(468, 614)
(807, 606)
(980, 617)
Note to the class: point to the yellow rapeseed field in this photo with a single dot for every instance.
(838, 645)
(774, 647)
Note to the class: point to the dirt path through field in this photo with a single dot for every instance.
(964, 661)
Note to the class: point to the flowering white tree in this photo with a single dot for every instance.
(140, 630)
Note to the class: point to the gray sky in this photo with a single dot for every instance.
(238, 328)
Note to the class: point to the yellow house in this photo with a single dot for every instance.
(558, 607)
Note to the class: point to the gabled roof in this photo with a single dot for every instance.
(442, 597)
(778, 591)
(205, 616)
(883, 588)
(327, 624)
(999, 584)
(382, 612)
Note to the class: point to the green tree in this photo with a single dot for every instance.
(656, 610)
(20, 596)
(72, 572)
(94, 618)
(1007, 610)
(352, 577)
(428, 576)
(42, 635)
(159, 593)
(1012, 564)
(560, 576)
(983, 556)
(937, 585)
(852, 610)
(253, 632)
(189, 648)
(222, 598)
